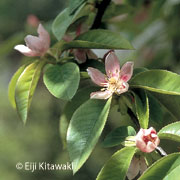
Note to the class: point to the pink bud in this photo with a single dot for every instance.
(32, 20)
(35, 46)
(147, 140)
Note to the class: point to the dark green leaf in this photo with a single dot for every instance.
(119, 135)
(142, 108)
(99, 39)
(166, 168)
(160, 81)
(25, 87)
(81, 96)
(84, 130)
(74, 5)
(62, 81)
(117, 167)
(171, 131)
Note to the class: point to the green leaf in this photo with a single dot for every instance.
(61, 23)
(84, 130)
(160, 81)
(12, 85)
(142, 108)
(171, 131)
(62, 81)
(118, 135)
(25, 87)
(170, 102)
(81, 96)
(74, 5)
(166, 168)
(155, 112)
(99, 39)
(117, 167)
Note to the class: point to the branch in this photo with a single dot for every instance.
(101, 9)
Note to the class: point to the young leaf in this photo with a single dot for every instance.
(119, 135)
(99, 39)
(142, 108)
(171, 131)
(62, 81)
(12, 85)
(167, 168)
(117, 167)
(160, 81)
(84, 130)
(25, 87)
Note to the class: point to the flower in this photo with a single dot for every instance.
(138, 165)
(35, 46)
(116, 79)
(147, 140)
(81, 55)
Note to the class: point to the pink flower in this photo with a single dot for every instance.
(116, 79)
(138, 165)
(81, 55)
(35, 46)
(32, 20)
(147, 140)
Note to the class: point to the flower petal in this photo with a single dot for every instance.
(97, 77)
(101, 95)
(44, 36)
(25, 50)
(34, 43)
(134, 168)
(112, 65)
(127, 71)
(80, 55)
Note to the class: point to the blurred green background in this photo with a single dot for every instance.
(153, 27)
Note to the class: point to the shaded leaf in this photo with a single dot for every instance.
(118, 135)
(62, 81)
(84, 130)
(74, 5)
(117, 167)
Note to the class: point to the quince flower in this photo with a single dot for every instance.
(147, 140)
(35, 46)
(116, 79)
(138, 165)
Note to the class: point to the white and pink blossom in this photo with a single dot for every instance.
(35, 46)
(115, 80)
(147, 140)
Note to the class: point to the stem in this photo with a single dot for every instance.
(161, 151)
(101, 9)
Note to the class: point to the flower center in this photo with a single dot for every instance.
(149, 138)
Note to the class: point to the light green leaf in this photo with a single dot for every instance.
(25, 87)
(62, 81)
(99, 39)
(84, 130)
(117, 167)
(166, 168)
(142, 108)
(160, 81)
(171, 131)
(118, 135)
(12, 85)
